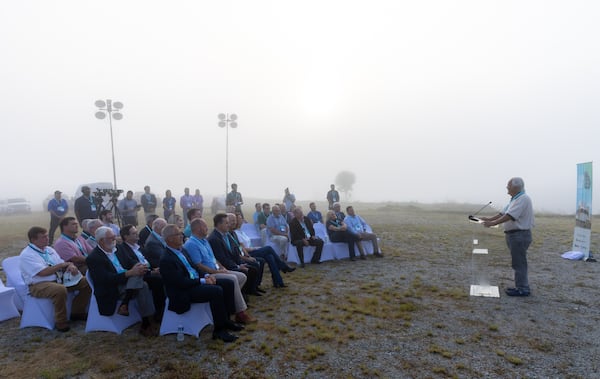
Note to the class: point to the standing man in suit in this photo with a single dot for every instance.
(303, 234)
(113, 282)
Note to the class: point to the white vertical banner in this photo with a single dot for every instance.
(583, 213)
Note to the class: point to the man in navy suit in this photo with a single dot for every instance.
(223, 250)
(185, 285)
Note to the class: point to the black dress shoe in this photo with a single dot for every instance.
(279, 285)
(260, 290)
(233, 326)
(287, 269)
(256, 293)
(224, 336)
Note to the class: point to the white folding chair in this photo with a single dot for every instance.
(36, 311)
(14, 279)
(8, 309)
(253, 234)
(115, 323)
(193, 321)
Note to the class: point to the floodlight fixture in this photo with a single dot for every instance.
(227, 121)
(112, 109)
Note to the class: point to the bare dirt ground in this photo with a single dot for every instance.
(408, 315)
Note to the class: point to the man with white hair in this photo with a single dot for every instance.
(113, 282)
(278, 231)
(518, 219)
(155, 244)
(89, 231)
(303, 234)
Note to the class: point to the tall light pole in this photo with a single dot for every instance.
(227, 121)
(113, 112)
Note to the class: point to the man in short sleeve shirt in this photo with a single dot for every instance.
(518, 220)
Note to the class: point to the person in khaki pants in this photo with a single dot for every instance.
(43, 269)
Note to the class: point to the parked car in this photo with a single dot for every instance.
(14, 206)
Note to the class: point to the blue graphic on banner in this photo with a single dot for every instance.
(583, 213)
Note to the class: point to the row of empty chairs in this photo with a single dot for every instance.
(38, 312)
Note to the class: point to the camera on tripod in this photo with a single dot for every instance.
(106, 195)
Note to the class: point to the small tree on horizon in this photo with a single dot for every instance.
(345, 181)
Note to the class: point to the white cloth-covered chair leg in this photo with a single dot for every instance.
(192, 321)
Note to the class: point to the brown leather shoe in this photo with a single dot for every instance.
(244, 318)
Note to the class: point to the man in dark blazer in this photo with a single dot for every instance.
(129, 255)
(155, 245)
(113, 282)
(223, 250)
(302, 234)
(185, 285)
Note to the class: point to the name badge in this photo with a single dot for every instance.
(93, 208)
(60, 209)
(282, 228)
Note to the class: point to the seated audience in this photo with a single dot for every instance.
(278, 231)
(257, 263)
(155, 245)
(262, 222)
(204, 260)
(185, 285)
(113, 282)
(267, 253)
(129, 254)
(223, 251)
(314, 215)
(146, 230)
(303, 234)
(338, 232)
(70, 246)
(89, 236)
(43, 269)
(358, 226)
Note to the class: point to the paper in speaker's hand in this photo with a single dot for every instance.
(475, 219)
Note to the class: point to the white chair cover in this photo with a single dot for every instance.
(8, 309)
(14, 279)
(115, 323)
(193, 321)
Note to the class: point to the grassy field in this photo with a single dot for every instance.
(406, 315)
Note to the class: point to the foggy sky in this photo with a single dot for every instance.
(427, 101)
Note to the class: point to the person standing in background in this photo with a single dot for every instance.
(58, 208)
(333, 196)
(148, 202)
